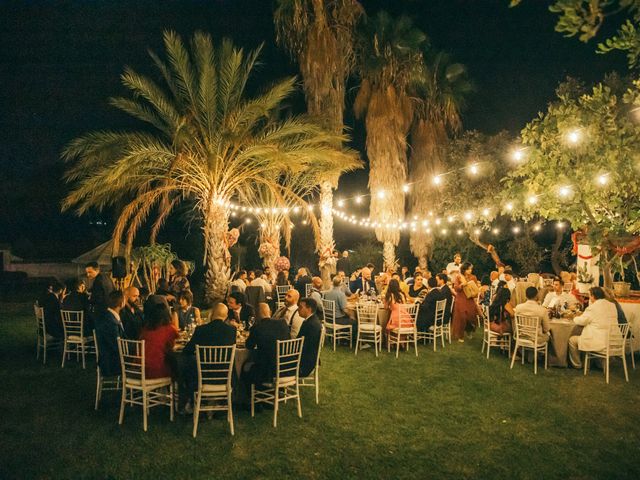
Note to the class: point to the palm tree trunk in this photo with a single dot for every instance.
(326, 244)
(217, 256)
(389, 255)
(423, 263)
(270, 239)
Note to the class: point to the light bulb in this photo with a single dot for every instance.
(381, 194)
(437, 180)
(532, 200)
(341, 203)
(565, 191)
(473, 169)
(405, 188)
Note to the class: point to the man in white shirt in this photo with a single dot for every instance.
(454, 267)
(531, 308)
(558, 297)
(289, 312)
(240, 281)
(596, 319)
(260, 281)
(508, 277)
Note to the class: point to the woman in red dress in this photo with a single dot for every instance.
(465, 309)
(159, 335)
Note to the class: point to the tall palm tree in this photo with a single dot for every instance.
(442, 94)
(205, 142)
(319, 36)
(389, 61)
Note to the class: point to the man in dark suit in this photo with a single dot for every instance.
(445, 294)
(108, 329)
(131, 314)
(50, 304)
(262, 343)
(213, 334)
(100, 290)
(427, 309)
(343, 263)
(302, 279)
(78, 301)
(363, 283)
(311, 331)
(239, 310)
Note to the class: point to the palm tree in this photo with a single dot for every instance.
(389, 61)
(442, 93)
(319, 36)
(205, 142)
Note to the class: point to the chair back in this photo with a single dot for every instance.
(39, 312)
(95, 342)
(215, 365)
(527, 328)
(288, 359)
(567, 287)
(329, 310)
(453, 302)
(322, 334)
(72, 322)
(307, 289)
(281, 291)
(407, 314)
(441, 306)
(131, 359)
(367, 313)
(255, 295)
(616, 339)
(547, 282)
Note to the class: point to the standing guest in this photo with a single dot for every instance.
(50, 304)
(454, 267)
(282, 279)
(100, 289)
(215, 333)
(558, 298)
(344, 263)
(240, 312)
(500, 310)
(289, 312)
(262, 343)
(178, 281)
(393, 298)
(418, 289)
(301, 280)
(131, 313)
(427, 309)
(532, 308)
(465, 310)
(260, 281)
(159, 335)
(240, 282)
(596, 320)
(363, 283)
(311, 331)
(108, 329)
(184, 313)
(337, 295)
(78, 301)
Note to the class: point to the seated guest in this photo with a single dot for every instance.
(162, 288)
(302, 279)
(240, 281)
(596, 320)
(251, 276)
(344, 285)
(240, 312)
(337, 296)
(316, 290)
(289, 312)
(363, 283)
(500, 310)
(131, 314)
(262, 343)
(78, 301)
(268, 275)
(260, 281)
(184, 313)
(159, 335)
(532, 308)
(403, 286)
(311, 331)
(108, 329)
(404, 274)
(427, 309)
(418, 289)
(445, 294)
(50, 304)
(101, 287)
(508, 278)
(392, 301)
(485, 291)
(212, 334)
(282, 279)
(558, 298)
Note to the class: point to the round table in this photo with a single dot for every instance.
(631, 308)
(561, 330)
(383, 314)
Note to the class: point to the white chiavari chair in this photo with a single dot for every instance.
(437, 329)
(526, 333)
(616, 343)
(44, 341)
(369, 331)
(335, 331)
(406, 332)
(74, 339)
(313, 380)
(103, 383)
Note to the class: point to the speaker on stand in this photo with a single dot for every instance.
(119, 271)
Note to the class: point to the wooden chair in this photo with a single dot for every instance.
(526, 336)
(616, 343)
(103, 384)
(335, 331)
(215, 368)
(136, 388)
(44, 341)
(369, 331)
(437, 330)
(285, 385)
(406, 332)
(313, 380)
(494, 339)
(74, 338)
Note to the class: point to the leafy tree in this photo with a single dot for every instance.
(584, 18)
(205, 142)
(582, 166)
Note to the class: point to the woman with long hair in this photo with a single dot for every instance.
(393, 298)
(282, 279)
(465, 310)
(178, 281)
(159, 335)
(500, 310)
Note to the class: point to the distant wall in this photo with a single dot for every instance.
(61, 271)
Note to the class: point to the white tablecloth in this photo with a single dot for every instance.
(632, 312)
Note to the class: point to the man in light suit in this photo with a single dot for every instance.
(531, 308)
(596, 319)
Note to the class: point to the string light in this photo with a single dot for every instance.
(532, 200)
(518, 154)
(495, 231)
(405, 188)
(603, 179)
(473, 169)
(341, 203)
(247, 220)
(476, 232)
(358, 199)
(509, 206)
(437, 180)
(516, 230)
(381, 194)
(565, 191)
(559, 225)
(537, 227)
(574, 136)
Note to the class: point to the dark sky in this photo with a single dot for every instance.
(60, 61)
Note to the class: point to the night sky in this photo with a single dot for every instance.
(61, 61)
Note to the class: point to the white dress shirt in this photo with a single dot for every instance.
(261, 282)
(552, 299)
(453, 267)
(596, 319)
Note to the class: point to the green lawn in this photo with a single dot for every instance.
(450, 414)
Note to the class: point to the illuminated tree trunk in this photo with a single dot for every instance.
(217, 256)
(389, 256)
(423, 263)
(326, 245)
(269, 249)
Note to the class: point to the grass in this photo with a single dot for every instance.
(450, 414)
